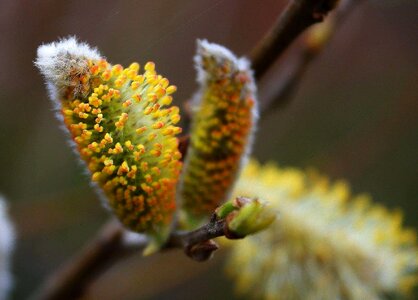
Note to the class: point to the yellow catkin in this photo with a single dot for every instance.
(221, 133)
(107, 112)
(325, 244)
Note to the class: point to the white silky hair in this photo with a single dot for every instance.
(58, 61)
(7, 239)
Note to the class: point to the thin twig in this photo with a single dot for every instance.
(72, 279)
(298, 64)
(297, 16)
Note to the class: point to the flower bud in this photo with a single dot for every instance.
(251, 217)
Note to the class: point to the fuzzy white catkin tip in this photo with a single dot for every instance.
(221, 55)
(57, 60)
(7, 238)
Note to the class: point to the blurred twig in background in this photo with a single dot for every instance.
(110, 245)
(297, 65)
(296, 17)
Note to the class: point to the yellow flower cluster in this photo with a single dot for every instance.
(221, 133)
(325, 244)
(123, 127)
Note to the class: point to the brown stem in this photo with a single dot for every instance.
(297, 16)
(71, 281)
(297, 66)
(215, 228)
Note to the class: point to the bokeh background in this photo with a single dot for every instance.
(355, 116)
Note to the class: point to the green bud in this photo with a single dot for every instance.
(253, 216)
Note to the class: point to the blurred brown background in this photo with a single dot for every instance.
(355, 117)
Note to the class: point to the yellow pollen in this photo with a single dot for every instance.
(149, 66)
(122, 120)
(120, 81)
(155, 107)
(83, 115)
(137, 98)
(152, 97)
(131, 74)
(164, 82)
(171, 89)
(108, 162)
(106, 75)
(139, 78)
(124, 168)
(134, 66)
(160, 91)
(127, 103)
(135, 85)
(156, 171)
(148, 178)
(68, 112)
(158, 125)
(141, 129)
(98, 128)
(96, 111)
(96, 176)
(94, 70)
(117, 150)
(99, 118)
(86, 134)
(155, 153)
(158, 146)
(129, 145)
(108, 138)
(137, 155)
(175, 118)
(148, 110)
(152, 136)
(144, 166)
(117, 70)
(166, 100)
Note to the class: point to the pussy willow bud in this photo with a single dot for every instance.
(318, 36)
(325, 244)
(6, 247)
(245, 216)
(123, 127)
(225, 113)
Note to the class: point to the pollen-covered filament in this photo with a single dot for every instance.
(125, 131)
